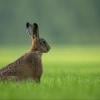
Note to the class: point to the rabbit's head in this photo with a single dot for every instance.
(38, 44)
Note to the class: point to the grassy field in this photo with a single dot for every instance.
(70, 73)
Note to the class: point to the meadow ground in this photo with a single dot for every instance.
(70, 73)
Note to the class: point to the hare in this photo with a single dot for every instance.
(29, 66)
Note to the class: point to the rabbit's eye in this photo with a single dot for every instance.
(43, 42)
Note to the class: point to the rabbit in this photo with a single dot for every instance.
(28, 66)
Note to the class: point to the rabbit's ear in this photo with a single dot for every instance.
(29, 29)
(35, 30)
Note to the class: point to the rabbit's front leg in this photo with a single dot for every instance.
(37, 69)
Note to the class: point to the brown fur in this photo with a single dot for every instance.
(29, 66)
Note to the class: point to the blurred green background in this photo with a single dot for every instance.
(72, 67)
(62, 22)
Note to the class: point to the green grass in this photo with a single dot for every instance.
(71, 73)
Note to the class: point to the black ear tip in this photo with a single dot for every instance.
(35, 24)
(27, 24)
